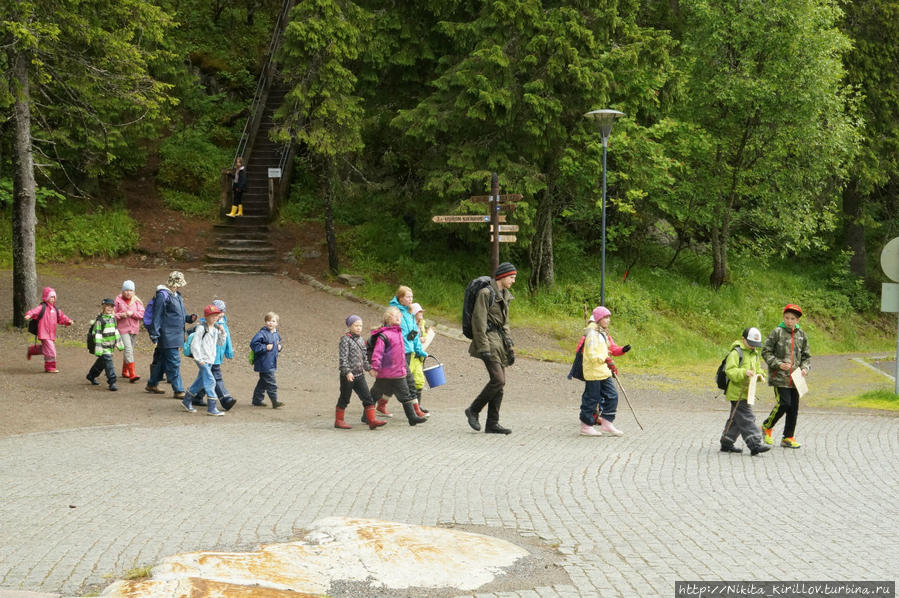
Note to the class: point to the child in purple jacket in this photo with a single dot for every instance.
(48, 316)
(388, 364)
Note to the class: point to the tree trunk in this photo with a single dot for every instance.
(23, 251)
(542, 266)
(719, 256)
(330, 235)
(854, 235)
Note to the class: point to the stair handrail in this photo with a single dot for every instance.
(263, 83)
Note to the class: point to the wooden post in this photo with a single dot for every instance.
(494, 221)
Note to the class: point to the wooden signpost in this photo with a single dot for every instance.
(496, 202)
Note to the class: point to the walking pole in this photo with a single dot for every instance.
(627, 401)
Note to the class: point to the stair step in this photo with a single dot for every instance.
(241, 257)
(249, 252)
(231, 268)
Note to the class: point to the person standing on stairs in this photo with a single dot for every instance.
(238, 187)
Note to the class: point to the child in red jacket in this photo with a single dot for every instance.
(48, 316)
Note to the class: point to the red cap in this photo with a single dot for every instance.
(794, 308)
(211, 309)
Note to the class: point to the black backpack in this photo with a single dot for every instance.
(370, 344)
(471, 295)
(91, 339)
(33, 322)
(721, 378)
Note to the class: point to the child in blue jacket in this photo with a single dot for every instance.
(265, 346)
(222, 353)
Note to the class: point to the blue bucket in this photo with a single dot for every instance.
(434, 374)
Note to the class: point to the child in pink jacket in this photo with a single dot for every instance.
(129, 313)
(388, 364)
(47, 316)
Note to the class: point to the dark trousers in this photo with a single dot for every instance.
(601, 396)
(170, 363)
(266, 384)
(391, 386)
(238, 198)
(741, 422)
(492, 394)
(220, 391)
(103, 362)
(786, 402)
(360, 386)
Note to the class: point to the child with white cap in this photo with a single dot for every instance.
(742, 364)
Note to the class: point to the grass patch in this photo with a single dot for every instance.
(188, 203)
(884, 400)
(137, 573)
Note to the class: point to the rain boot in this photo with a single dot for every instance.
(339, 423)
(413, 418)
(33, 350)
(232, 213)
(382, 408)
(371, 418)
(132, 375)
(587, 430)
(240, 210)
(50, 367)
(212, 409)
(418, 410)
(228, 402)
(609, 428)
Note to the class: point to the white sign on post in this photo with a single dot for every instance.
(889, 297)
(274, 173)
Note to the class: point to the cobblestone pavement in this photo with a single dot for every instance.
(631, 515)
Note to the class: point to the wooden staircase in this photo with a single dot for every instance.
(242, 243)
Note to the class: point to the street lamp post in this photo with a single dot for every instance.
(604, 120)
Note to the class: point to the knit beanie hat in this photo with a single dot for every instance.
(600, 312)
(352, 319)
(219, 304)
(128, 285)
(503, 270)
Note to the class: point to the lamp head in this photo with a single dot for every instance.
(604, 120)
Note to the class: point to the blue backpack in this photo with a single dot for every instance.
(148, 312)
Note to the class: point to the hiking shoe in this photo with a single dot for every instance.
(113, 387)
(154, 389)
(276, 403)
(187, 406)
(589, 430)
(259, 404)
(92, 380)
(730, 448)
(216, 412)
(761, 448)
(766, 436)
(178, 394)
(496, 429)
(790, 443)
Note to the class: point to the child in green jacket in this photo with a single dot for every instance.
(743, 363)
(107, 339)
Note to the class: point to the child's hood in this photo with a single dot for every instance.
(48, 292)
(391, 329)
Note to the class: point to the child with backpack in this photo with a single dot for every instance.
(353, 362)
(42, 322)
(743, 362)
(204, 342)
(600, 394)
(129, 313)
(388, 364)
(222, 352)
(106, 339)
(266, 346)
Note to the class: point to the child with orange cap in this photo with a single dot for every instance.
(785, 350)
(207, 337)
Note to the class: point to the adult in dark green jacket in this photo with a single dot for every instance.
(743, 363)
(492, 342)
(785, 350)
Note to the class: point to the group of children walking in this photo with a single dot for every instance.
(116, 328)
(394, 356)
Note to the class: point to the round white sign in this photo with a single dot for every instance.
(889, 259)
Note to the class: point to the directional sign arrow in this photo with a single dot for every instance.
(506, 228)
(504, 238)
(465, 218)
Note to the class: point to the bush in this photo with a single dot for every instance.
(189, 203)
(191, 163)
